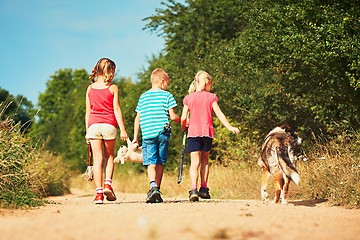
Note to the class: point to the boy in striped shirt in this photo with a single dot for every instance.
(154, 110)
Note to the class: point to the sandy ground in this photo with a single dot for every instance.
(75, 217)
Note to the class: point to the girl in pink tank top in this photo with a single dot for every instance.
(199, 105)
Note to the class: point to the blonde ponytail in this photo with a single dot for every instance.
(202, 78)
(192, 87)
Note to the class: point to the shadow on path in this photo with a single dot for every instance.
(308, 203)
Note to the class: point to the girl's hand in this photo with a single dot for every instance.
(123, 135)
(234, 130)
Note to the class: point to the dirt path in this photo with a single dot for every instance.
(75, 217)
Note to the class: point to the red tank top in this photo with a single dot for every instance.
(101, 105)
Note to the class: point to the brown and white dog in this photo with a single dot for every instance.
(278, 157)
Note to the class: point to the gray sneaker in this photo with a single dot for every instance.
(153, 195)
(193, 196)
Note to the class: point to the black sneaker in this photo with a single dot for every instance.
(153, 195)
(193, 196)
(159, 199)
(204, 193)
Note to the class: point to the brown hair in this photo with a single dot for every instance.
(104, 67)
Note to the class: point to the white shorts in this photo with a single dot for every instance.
(101, 131)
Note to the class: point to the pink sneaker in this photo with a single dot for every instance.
(99, 198)
(109, 193)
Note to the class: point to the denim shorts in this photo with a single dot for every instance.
(203, 144)
(101, 131)
(155, 150)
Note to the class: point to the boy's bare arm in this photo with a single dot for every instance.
(136, 127)
(173, 116)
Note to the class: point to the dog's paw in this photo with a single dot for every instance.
(264, 197)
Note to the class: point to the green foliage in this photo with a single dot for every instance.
(272, 62)
(280, 61)
(61, 118)
(229, 149)
(17, 108)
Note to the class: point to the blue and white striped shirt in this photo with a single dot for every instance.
(153, 107)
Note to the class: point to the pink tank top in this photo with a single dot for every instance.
(101, 105)
(200, 107)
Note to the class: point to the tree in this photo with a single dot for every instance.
(272, 61)
(18, 108)
(61, 118)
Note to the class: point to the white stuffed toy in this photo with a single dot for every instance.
(131, 153)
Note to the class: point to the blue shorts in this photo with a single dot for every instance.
(155, 150)
(202, 144)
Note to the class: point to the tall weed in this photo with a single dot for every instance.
(15, 154)
(333, 170)
(27, 174)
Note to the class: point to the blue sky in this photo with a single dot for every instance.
(39, 37)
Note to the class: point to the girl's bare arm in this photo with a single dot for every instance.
(184, 116)
(118, 112)
(223, 119)
(87, 112)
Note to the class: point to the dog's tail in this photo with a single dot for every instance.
(287, 167)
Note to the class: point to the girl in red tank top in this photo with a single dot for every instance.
(103, 117)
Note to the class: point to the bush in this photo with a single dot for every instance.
(27, 174)
(15, 154)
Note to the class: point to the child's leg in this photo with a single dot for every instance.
(109, 146)
(151, 171)
(163, 148)
(204, 168)
(97, 152)
(159, 171)
(195, 162)
(155, 173)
